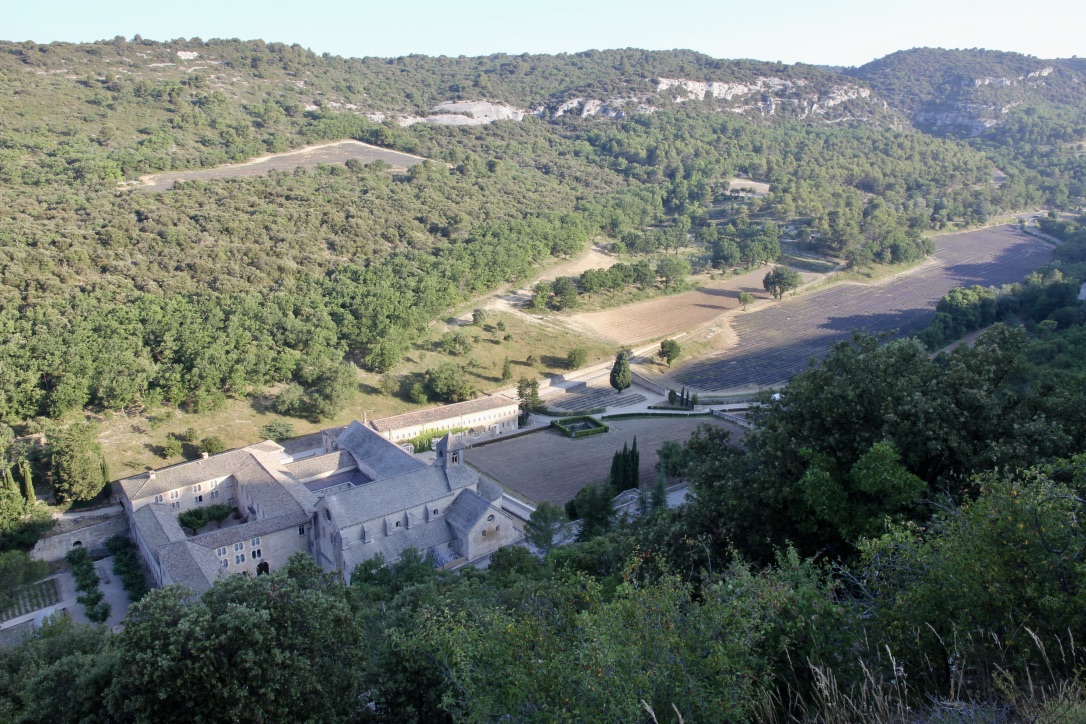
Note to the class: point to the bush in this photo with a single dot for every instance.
(277, 431)
(171, 448)
(126, 566)
(566, 423)
(212, 445)
(86, 582)
(197, 518)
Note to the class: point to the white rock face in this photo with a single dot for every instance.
(727, 91)
(482, 112)
(187, 55)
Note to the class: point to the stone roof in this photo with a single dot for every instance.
(237, 533)
(375, 455)
(157, 526)
(391, 495)
(195, 471)
(190, 565)
(448, 443)
(467, 510)
(489, 490)
(320, 465)
(421, 536)
(446, 412)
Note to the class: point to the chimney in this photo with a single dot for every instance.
(151, 475)
(203, 456)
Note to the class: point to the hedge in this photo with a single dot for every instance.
(86, 582)
(636, 415)
(126, 566)
(561, 425)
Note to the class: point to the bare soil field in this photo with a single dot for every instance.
(666, 316)
(777, 341)
(760, 187)
(328, 153)
(547, 466)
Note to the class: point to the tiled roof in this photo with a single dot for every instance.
(192, 472)
(467, 510)
(236, 533)
(375, 455)
(157, 526)
(423, 537)
(446, 412)
(489, 490)
(190, 565)
(391, 495)
(320, 464)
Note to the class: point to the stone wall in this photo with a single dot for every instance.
(91, 537)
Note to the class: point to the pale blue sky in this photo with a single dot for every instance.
(840, 32)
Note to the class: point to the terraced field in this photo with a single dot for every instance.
(777, 342)
(329, 153)
(592, 395)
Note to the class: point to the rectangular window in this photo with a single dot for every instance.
(225, 563)
(239, 547)
(256, 554)
(301, 530)
(199, 498)
(239, 559)
(220, 552)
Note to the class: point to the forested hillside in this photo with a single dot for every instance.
(218, 288)
(1027, 114)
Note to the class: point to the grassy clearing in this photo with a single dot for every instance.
(32, 598)
(133, 442)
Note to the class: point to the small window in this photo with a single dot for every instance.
(301, 530)
(158, 498)
(212, 485)
(239, 559)
(214, 494)
(327, 514)
(174, 495)
(435, 511)
(197, 488)
(489, 518)
(239, 547)
(397, 524)
(254, 542)
(225, 563)
(199, 498)
(175, 506)
(498, 526)
(220, 552)
(255, 554)
(484, 534)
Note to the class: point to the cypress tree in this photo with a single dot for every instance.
(635, 466)
(9, 481)
(28, 483)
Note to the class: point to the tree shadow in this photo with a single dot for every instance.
(553, 361)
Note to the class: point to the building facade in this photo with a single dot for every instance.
(357, 497)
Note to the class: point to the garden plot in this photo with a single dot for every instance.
(548, 466)
(32, 598)
(776, 342)
(592, 396)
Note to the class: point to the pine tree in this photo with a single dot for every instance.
(28, 483)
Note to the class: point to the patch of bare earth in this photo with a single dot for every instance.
(326, 153)
(671, 315)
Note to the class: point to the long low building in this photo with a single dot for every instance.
(360, 497)
(492, 414)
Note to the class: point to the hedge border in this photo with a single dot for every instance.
(641, 415)
(560, 425)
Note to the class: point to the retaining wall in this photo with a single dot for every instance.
(92, 537)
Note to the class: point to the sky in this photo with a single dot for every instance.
(827, 32)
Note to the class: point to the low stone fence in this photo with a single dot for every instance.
(645, 382)
(91, 537)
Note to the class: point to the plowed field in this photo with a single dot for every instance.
(776, 342)
(667, 316)
(330, 153)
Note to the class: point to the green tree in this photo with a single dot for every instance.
(544, 524)
(621, 377)
(507, 370)
(576, 358)
(746, 299)
(76, 462)
(28, 483)
(669, 350)
(448, 383)
(277, 431)
(172, 447)
(781, 280)
(212, 445)
(528, 394)
(673, 270)
(566, 295)
(478, 316)
(273, 644)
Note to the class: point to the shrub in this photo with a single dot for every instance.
(277, 431)
(212, 445)
(126, 566)
(171, 448)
